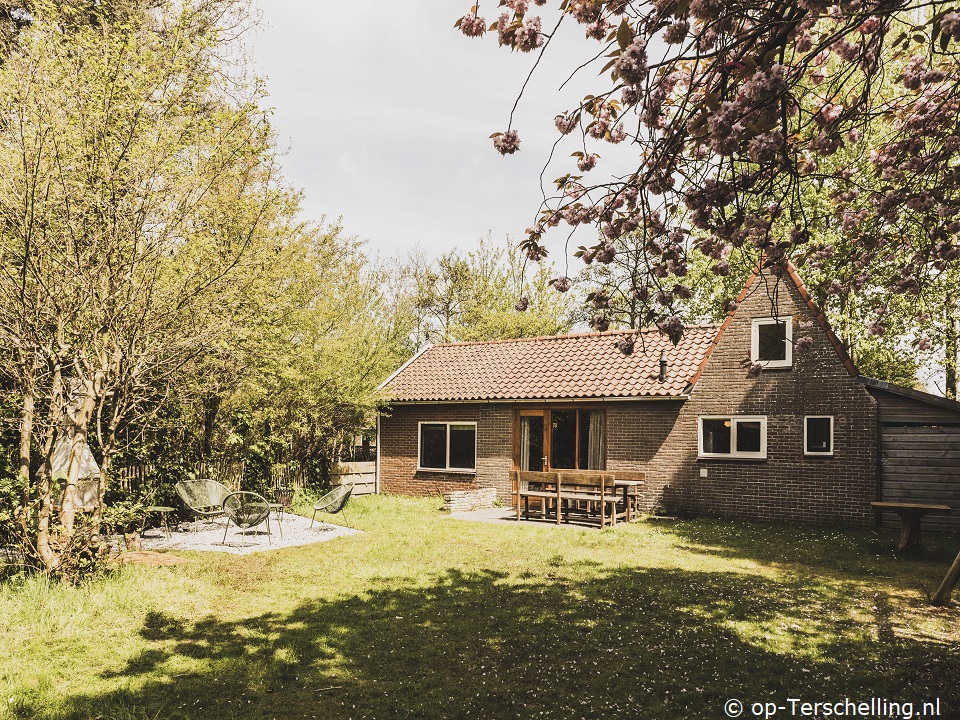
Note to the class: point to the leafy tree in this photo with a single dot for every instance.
(486, 295)
(734, 111)
(139, 190)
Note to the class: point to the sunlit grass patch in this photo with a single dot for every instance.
(423, 615)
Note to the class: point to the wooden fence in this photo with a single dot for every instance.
(132, 477)
(361, 474)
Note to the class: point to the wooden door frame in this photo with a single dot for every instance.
(545, 412)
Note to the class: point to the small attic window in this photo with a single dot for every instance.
(772, 342)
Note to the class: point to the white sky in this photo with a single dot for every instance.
(385, 112)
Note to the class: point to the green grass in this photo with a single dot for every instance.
(424, 616)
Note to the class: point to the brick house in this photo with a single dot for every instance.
(800, 441)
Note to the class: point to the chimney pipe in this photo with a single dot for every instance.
(663, 366)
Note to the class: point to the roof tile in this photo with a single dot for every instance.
(562, 366)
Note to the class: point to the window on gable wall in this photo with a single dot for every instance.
(818, 435)
(771, 342)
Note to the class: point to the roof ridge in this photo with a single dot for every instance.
(565, 336)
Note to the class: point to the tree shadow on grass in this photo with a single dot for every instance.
(819, 549)
(628, 643)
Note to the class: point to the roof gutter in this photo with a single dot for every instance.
(545, 401)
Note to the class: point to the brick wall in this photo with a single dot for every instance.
(661, 438)
(398, 447)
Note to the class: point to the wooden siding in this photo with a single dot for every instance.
(899, 409)
(922, 464)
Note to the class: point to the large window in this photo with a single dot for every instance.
(818, 435)
(733, 436)
(772, 342)
(577, 440)
(561, 439)
(448, 446)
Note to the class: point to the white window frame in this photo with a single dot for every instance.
(734, 421)
(448, 468)
(817, 417)
(788, 342)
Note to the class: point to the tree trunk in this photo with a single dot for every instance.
(953, 575)
(79, 422)
(26, 436)
(48, 554)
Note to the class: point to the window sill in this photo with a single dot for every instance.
(818, 455)
(730, 458)
(446, 472)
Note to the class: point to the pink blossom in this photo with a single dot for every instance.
(870, 25)
(518, 6)
(566, 123)
(950, 24)
(831, 112)
(631, 66)
(676, 33)
(473, 26)
(522, 304)
(606, 253)
(617, 135)
(600, 323)
(528, 37)
(562, 283)
(587, 162)
(804, 43)
(804, 344)
(924, 344)
(876, 328)
(504, 30)
(598, 30)
(755, 369)
(584, 12)
(672, 326)
(535, 252)
(853, 135)
(626, 345)
(818, 75)
(764, 148)
(506, 143)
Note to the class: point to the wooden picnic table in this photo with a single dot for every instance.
(910, 516)
(566, 490)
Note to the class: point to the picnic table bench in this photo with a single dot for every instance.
(910, 515)
(578, 493)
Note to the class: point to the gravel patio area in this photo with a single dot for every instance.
(207, 536)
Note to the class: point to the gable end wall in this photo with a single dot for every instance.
(834, 490)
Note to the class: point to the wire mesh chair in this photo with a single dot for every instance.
(246, 510)
(333, 502)
(204, 498)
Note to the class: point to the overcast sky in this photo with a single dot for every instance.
(385, 112)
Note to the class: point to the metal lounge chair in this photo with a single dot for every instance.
(204, 498)
(333, 502)
(246, 510)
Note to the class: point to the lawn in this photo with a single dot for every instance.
(423, 616)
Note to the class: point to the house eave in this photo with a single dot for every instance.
(545, 401)
(918, 395)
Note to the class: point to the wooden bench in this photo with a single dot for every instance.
(910, 515)
(577, 493)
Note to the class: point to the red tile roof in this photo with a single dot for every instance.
(562, 366)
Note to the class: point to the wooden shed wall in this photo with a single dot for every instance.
(919, 456)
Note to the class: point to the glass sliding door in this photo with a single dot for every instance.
(532, 443)
(561, 439)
